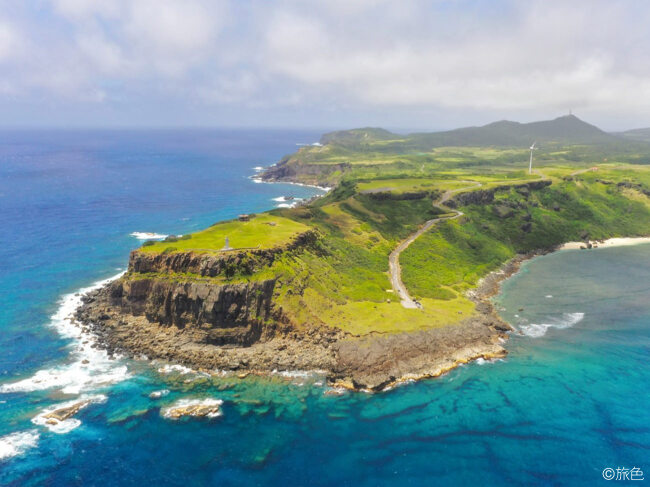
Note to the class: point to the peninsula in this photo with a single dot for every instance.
(387, 277)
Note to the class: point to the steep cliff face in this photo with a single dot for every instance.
(297, 170)
(229, 314)
(174, 290)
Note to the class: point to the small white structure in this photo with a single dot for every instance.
(227, 246)
(530, 165)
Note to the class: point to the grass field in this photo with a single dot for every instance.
(262, 231)
(406, 185)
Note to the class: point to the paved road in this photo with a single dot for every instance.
(393, 259)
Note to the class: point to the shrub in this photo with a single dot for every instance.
(148, 243)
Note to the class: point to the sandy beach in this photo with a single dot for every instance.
(611, 242)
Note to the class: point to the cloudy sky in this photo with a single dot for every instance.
(405, 64)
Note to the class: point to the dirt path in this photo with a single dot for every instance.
(393, 259)
(582, 171)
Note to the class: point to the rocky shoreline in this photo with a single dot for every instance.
(373, 363)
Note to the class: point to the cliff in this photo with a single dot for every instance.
(194, 291)
(297, 170)
(229, 314)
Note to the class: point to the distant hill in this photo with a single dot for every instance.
(355, 137)
(566, 130)
(642, 135)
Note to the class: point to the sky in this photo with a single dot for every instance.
(400, 64)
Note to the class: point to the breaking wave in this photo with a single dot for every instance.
(148, 235)
(15, 444)
(537, 330)
(88, 368)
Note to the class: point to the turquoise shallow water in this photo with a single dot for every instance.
(569, 400)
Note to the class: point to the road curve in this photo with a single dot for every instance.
(393, 260)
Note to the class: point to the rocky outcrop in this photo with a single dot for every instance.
(294, 170)
(486, 196)
(189, 293)
(377, 362)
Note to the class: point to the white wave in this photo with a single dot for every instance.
(171, 368)
(184, 403)
(148, 235)
(258, 168)
(15, 444)
(286, 205)
(301, 374)
(482, 361)
(548, 296)
(159, 394)
(537, 330)
(88, 369)
(67, 425)
(286, 198)
(325, 189)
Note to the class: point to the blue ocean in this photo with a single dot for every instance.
(568, 402)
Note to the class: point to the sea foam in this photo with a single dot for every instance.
(148, 235)
(537, 330)
(15, 444)
(175, 368)
(88, 368)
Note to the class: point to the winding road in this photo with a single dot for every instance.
(393, 259)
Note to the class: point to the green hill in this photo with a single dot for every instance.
(639, 135)
(565, 130)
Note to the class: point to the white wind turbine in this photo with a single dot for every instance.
(530, 166)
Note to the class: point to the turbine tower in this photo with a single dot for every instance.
(530, 165)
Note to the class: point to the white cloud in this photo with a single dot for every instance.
(84, 9)
(504, 56)
(9, 41)
(553, 54)
(172, 35)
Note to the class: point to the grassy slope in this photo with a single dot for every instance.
(263, 231)
(454, 255)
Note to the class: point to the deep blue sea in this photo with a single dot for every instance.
(570, 400)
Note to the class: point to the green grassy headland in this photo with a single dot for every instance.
(387, 186)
